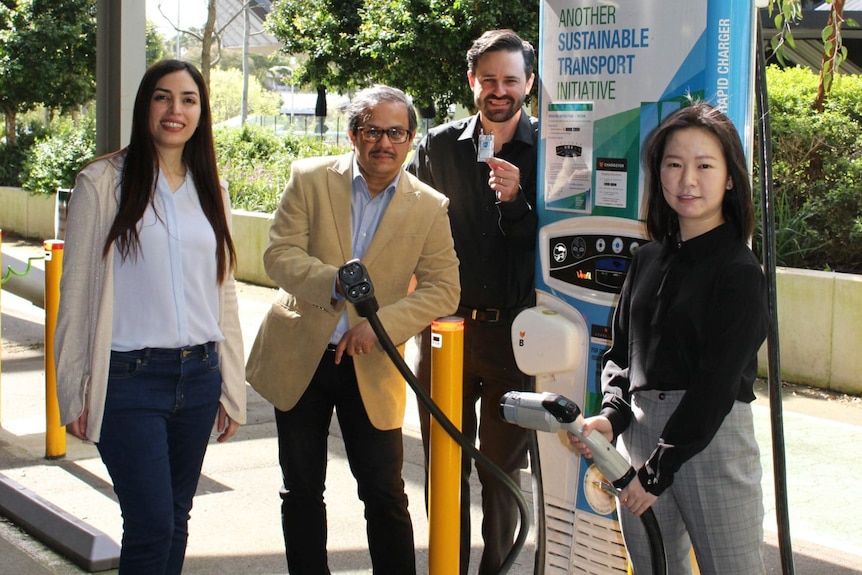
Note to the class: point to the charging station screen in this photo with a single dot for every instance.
(593, 262)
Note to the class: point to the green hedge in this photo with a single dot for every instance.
(53, 161)
(817, 171)
(256, 163)
(12, 158)
(253, 160)
(817, 167)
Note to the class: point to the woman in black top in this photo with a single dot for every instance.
(678, 378)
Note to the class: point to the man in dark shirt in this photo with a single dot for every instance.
(491, 211)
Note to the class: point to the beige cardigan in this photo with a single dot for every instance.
(82, 347)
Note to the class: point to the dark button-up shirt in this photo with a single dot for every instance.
(691, 317)
(495, 242)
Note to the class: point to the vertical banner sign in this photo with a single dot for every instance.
(609, 73)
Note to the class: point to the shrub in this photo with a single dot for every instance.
(817, 171)
(253, 160)
(54, 161)
(12, 157)
(256, 163)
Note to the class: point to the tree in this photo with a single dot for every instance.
(157, 48)
(47, 56)
(419, 45)
(208, 39)
(785, 13)
(226, 96)
(416, 45)
(260, 66)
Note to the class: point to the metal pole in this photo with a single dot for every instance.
(246, 31)
(444, 463)
(177, 55)
(779, 462)
(55, 434)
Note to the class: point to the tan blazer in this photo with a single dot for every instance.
(310, 239)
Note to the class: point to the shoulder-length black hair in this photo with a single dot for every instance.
(141, 169)
(738, 209)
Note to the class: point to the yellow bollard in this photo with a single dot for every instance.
(444, 464)
(55, 434)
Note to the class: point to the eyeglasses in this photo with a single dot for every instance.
(373, 134)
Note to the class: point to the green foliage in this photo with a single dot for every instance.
(157, 47)
(12, 157)
(47, 56)
(226, 96)
(794, 239)
(11, 160)
(786, 13)
(253, 160)
(54, 161)
(259, 66)
(817, 170)
(416, 45)
(256, 163)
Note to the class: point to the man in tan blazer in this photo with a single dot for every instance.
(314, 354)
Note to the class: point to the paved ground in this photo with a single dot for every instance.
(235, 522)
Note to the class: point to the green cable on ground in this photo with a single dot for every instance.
(10, 272)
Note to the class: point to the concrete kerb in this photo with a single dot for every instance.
(84, 545)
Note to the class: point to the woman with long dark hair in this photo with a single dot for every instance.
(148, 344)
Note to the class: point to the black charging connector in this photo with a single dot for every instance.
(357, 287)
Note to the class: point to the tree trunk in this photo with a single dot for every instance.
(207, 41)
(11, 132)
(831, 56)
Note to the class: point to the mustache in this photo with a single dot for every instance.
(380, 151)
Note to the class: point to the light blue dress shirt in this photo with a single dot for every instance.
(365, 215)
(167, 296)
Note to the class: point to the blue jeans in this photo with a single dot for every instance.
(375, 459)
(160, 410)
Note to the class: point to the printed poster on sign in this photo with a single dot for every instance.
(568, 173)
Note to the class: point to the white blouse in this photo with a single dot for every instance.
(167, 296)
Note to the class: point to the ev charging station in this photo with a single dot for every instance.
(609, 73)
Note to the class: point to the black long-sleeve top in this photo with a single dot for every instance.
(691, 317)
(495, 242)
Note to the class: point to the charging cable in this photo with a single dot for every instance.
(359, 291)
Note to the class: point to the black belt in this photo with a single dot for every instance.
(490, 315)
(331, 347)
(181, 353)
